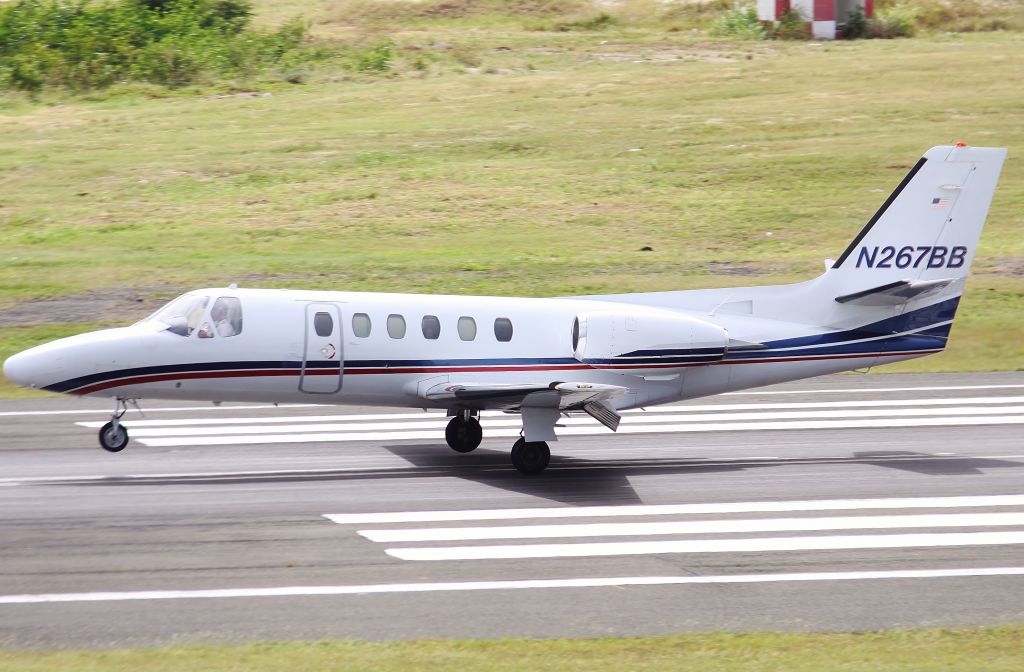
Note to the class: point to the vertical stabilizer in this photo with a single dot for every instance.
(928, 228)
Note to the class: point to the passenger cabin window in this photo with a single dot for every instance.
(431, 327)
(396, 326)
(503, 329)
(323, 324)
(361, 325)
(467, 328)
(183, 314)
(226, 316)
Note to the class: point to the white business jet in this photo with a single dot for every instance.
(890, 296)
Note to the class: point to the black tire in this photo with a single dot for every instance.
(113, 440)
(530, 458)
(463, 435)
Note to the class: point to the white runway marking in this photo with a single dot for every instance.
(168, 430)
(170, 409)
(697, 527)
(865, 390)
(758, 545)
(505, 432)
(377, 589)
(677, 418)
(655, 412)
(676, 509)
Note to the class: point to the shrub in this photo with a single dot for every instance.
(791, 26)
(897, 21)
(742, 23)
(856, 25)
(374, 58)
(84, 45)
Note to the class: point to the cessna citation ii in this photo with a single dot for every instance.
(890, 296)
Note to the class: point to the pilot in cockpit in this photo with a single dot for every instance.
(227, 316)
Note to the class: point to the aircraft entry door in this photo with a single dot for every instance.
(322, 364)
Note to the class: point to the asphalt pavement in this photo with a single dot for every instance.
(842, 503)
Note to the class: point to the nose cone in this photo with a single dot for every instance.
(23, 368)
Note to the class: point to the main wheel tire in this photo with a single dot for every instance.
(113, 439)
(530, 458)
(463, 435)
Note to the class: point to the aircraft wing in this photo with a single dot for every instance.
(588, 397)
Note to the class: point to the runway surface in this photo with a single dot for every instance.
(843, 503)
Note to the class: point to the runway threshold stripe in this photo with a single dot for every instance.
(868, 390)
(169, 409)
(628, 421)
(659, 411)
(696, 527)
(622, 581)
(379, 436)
(677, 509)
(758, 545)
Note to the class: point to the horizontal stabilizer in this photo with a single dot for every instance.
(603, 413)
(895, 293)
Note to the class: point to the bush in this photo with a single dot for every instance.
(791, 26)
(742, 23)
(898, 21)
(85, 45)
(856, 25)
(375, 58)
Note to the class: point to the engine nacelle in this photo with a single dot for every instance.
(647, 335)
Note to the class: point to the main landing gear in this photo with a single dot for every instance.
(531, 457)
(114, 435)
(464, 433)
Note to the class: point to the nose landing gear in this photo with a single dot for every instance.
(114, 435)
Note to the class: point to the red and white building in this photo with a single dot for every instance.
(822, 15)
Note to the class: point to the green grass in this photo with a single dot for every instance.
(996, 649)
(541, 168)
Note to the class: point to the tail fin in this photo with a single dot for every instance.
(928, 229)
(901, 278)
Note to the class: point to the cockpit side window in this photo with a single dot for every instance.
(182, 315)
(226, 315)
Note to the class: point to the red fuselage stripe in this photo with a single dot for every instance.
(267, 373)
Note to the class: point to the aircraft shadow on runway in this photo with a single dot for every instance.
(568, 480)
(931, 465)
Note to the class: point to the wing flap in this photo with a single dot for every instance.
(510, 397)
(603, 413)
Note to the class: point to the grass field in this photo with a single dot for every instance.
(511, 160)
(998, 649)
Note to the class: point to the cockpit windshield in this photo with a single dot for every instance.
(183, 314)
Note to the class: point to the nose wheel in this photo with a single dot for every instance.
(530, 458)
(463, 433)
(113, 437)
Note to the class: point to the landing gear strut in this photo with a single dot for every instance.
(530, 458)
(114, 435)
(464, 433)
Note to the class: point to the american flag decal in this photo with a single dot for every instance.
(940, 201)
